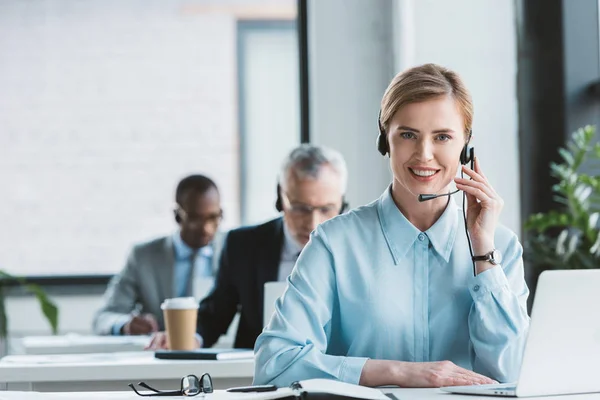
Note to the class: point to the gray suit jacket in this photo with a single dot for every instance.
(147, 280)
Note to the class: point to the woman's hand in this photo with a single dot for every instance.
(483, 208)
(419, 374)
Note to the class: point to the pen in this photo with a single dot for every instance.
(137, 310)
(248, 389)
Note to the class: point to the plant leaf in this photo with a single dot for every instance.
(49, 309)
(3, 320)
(568, 157)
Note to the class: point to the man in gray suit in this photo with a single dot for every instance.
(165, 267)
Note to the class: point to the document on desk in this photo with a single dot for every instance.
(310, 389)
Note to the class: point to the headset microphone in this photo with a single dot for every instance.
(426, 197)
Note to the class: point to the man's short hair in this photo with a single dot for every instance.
(197, 184)
(306, 161)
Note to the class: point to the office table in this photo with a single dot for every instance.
(113, 371)
(402, 394)
(78, 344)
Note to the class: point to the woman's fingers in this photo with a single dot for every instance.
(478, 191)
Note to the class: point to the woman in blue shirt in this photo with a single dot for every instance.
(389, 293)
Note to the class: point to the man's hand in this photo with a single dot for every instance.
(140, 325)
(419, 374)
(159, 342)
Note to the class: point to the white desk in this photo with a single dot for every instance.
(402, 394)
(78, 344)
(113, 371)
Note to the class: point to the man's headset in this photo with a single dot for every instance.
(177, 217)
(279, 202)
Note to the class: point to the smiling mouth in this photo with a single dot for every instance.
(424, 173)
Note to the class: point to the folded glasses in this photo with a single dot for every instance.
(191, 386)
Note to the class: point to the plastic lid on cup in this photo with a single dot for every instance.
(179, 303)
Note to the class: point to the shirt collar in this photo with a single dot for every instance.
(183, 251)
(443, 233)
(400, 234)
(291, 246)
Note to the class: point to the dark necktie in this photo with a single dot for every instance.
(189, 286)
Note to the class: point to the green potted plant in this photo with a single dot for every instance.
(49, 309)
(568, 238)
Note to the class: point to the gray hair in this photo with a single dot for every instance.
(306, 161)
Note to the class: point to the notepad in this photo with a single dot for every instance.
(320, 389)
(205, 354)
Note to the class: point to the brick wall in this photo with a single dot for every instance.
(104, 106)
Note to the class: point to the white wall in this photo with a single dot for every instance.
(355, 48)
(350, 46)
(75, 314)
(478, 39)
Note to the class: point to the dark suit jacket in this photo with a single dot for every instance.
(249, 259)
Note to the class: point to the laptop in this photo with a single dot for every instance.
(563, 345)
(273, 291)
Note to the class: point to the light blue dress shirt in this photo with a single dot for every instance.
(371, 285)
(181, 271)
(202, 268)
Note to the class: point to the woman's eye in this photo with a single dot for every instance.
(407, 135)
(443, 138)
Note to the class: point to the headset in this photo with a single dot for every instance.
(177, 217)
(467, 155)
(279, 202)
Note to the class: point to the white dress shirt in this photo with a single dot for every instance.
(289, 254)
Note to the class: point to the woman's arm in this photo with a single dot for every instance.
(498, 320)
(293, 346)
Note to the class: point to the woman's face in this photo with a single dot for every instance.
(425, 142)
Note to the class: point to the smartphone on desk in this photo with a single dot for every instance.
(250, 389)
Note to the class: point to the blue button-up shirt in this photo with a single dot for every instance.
(371, 285)
(202, 268)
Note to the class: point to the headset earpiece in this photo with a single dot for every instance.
(279, 202)
(382, 143)
(467, 154)
(344, 207)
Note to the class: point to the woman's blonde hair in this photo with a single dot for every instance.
(423, 83)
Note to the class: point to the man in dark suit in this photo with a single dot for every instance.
(165, 267)
(311, 188)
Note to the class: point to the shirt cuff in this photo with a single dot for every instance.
(121, 321)
(200, 340)
(352, 369)
(488, 281)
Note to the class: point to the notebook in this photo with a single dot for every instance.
(205, 354)
(316, 389)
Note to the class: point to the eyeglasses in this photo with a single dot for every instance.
(191, 386)
(213, 219)
(305, 211)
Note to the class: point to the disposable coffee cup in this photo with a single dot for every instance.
(180, 316)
